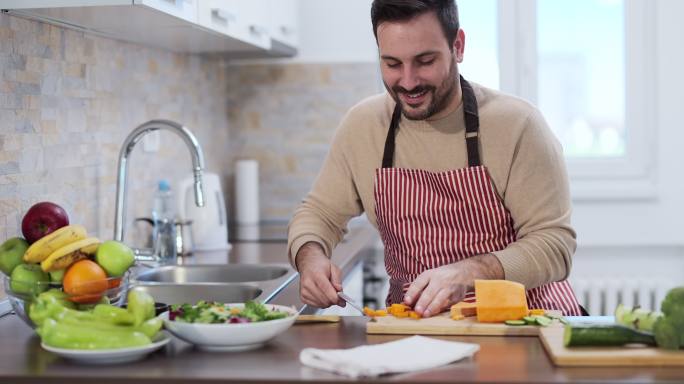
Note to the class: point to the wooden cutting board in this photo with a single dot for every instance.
(552, 339)
(444, 325)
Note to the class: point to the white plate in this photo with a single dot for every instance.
(110, 356)
(231, 337)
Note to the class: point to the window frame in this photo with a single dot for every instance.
(628, 177)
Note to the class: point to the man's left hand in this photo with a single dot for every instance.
(435, 290)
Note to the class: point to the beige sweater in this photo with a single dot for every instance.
(521, 153)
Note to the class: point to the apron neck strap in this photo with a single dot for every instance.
(472, 125)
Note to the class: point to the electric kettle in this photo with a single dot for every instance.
(209, 223)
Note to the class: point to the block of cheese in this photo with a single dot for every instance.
(464, 309)
(500, 300)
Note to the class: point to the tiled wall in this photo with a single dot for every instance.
(68, 100)
(284, 115)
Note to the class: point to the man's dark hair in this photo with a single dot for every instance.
(402, 10)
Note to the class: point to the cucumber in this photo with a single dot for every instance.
(604, 335)
(530, 320)
(537, 320)
(543, 321)
(515, 322)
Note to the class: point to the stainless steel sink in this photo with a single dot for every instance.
(221, 273)
(227, 283)
(191, 293)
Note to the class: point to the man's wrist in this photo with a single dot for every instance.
(484, 267)
(307, 249)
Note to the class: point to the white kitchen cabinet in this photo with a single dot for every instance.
(239, 28)
(237, 18)
(182, 9)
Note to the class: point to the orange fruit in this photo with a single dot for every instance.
(85, 282)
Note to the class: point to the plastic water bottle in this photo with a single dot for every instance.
(164, 234)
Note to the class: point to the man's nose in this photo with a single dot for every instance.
(409, 78)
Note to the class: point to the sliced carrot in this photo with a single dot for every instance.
(537, 312)
(401, 314)
(369, 311)
(380, 312)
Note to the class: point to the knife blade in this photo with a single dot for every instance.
(351, 302)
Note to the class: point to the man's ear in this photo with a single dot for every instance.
(459, 45)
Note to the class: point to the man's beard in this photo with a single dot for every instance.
(440, 97)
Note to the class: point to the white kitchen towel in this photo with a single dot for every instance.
(406, 355)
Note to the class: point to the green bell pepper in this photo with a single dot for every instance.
(72, 334)
(115, 315)
(141, 306)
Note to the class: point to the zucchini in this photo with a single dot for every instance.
(604, 335)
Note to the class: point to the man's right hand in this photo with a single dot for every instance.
(319, 279)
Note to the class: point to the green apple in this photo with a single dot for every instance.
(114, 257)
(12, 253)
(29, 279)
(57, 276)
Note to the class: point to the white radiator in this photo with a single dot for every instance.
(600, 296)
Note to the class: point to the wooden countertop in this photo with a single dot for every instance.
(500, 359)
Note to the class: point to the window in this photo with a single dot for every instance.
(587, 64)
(581, 75)
(481, 59)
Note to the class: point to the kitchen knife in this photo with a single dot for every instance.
(351, 302)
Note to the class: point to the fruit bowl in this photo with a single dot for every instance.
(114, 293)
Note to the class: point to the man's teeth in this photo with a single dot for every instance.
(415, 95)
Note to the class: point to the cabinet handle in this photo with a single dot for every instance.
(222, 15)
(286, 30)
(180, 4)
(257, 30)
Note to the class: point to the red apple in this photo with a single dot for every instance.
(42, 219)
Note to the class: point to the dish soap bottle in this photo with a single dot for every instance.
(164, 234)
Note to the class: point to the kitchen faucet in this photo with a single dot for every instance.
(131, 140)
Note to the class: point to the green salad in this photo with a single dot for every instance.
(210, 312)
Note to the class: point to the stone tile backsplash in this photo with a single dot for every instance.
(68, 100)
(285, 115)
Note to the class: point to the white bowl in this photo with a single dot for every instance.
(231, 337)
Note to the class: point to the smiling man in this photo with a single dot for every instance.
(461, 181)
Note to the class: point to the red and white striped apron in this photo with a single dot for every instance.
(429, 219)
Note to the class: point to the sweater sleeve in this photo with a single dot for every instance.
(538, 198)
(333, 200)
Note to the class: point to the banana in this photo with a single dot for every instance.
(69, 254)
(46, 245)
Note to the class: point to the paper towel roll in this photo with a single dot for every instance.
(247, 192)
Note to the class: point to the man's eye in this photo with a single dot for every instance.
(392, 65)
(427, 62)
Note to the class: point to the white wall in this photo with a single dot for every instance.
(336, 31)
